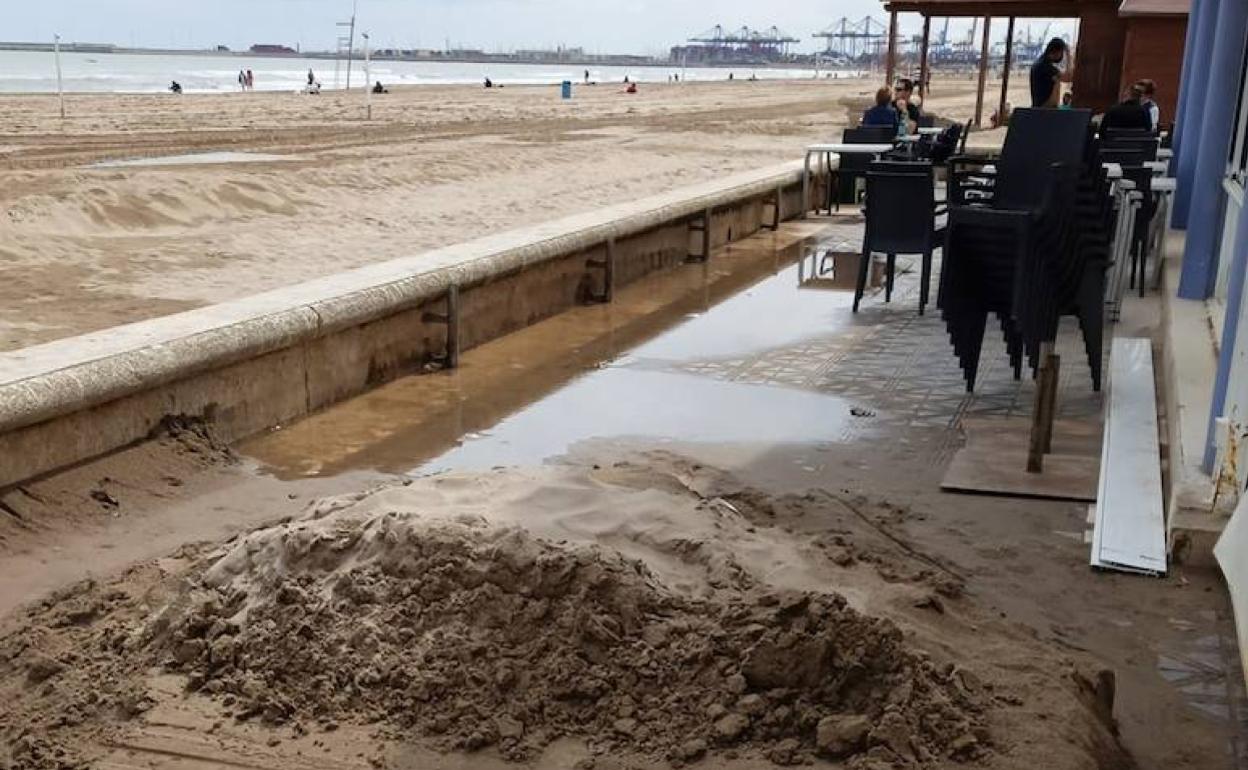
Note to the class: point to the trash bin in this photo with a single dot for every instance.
(567, 89)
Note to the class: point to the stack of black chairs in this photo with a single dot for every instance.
(1131, 149)
(1023, 241)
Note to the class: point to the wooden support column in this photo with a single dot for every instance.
(1005, 70)
(923, 70)
(983, 74)
(1044, 409)
(890, 66)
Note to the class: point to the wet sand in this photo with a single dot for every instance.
(84, 247)
(1000, 589)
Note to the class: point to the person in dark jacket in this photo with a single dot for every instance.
(883, 113)
(1129, 113)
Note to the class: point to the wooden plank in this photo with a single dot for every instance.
(1043, 412)
(993, 470)
(994, 460)
(1130, 529)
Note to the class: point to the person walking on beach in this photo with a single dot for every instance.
(1046, 77)
(311, 78)
(242, 80)
(251, 81)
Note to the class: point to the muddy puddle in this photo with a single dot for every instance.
(634, 369)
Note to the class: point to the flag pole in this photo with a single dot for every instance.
(60, 87)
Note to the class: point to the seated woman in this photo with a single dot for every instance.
(883, 113)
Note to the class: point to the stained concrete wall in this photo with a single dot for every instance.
(269, 359)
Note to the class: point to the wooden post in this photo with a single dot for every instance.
(1005, 70)
(1045, 406)
(923, 71)
(890, 63)
(983, 75)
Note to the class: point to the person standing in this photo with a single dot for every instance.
(1046, 76)
(242, 80)
(311, 78)
(251, 81)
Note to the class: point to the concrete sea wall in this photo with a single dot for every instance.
(268, 359)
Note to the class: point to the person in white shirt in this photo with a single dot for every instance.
(1154, 112)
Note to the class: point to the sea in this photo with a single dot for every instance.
(35, 72)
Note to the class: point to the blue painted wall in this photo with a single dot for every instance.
(1220, 71)
(1230, 332)
(1193, 90)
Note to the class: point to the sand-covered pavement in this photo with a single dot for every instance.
(84, 248)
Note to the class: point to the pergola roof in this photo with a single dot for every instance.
(1038, 9)
(1155, 8)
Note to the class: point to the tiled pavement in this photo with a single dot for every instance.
(900, 365)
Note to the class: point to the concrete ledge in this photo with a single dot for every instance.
(1189, 369)
(262, 360)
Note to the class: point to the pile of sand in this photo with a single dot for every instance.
(478, 635)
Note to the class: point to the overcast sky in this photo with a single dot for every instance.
(600, 26)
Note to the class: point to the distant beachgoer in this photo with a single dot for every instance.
(730, 76)
(242, 80)
(251, 81)
(753, 77)
(175, 87)
(313, 89)
(632, 88)
(626, 81)
(489, 83)
(311, 77)
(587, 77)
(379, 88)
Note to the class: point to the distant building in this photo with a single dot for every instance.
(270, 49)
(223, 49)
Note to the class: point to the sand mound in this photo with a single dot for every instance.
(478, 635)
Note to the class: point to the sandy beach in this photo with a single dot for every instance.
(84, 248)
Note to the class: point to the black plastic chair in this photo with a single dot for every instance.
(901, 213)
(843, 181)
(1145, 145)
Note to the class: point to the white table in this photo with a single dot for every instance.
(827, 151)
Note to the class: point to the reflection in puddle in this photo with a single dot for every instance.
(603, 371)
